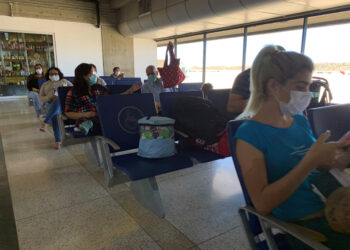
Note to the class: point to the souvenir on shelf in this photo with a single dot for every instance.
(20, 52)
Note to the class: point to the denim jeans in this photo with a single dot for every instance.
(35, 97)
(53, 111)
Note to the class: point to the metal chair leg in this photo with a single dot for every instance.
(146, 192)
(108, 164)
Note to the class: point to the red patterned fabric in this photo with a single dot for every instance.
(221, 147)
(171, 74)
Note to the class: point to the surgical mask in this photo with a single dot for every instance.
(117, 73)
(93, 79)
(39, 71)
(299, 100)
(152, 78)
(54, 78)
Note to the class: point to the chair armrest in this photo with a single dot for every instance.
(289, 228)
(181, 133)
(109, 142)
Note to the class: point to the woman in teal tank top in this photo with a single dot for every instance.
(276, 149)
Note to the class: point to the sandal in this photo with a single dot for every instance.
(43, 127)
(57, 145)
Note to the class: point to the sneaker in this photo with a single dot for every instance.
(85, 126)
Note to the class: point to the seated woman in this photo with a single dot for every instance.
(117, 74)
(276, 149)
(81, 100)
(33, 87)
(48, 94)
(99, 79)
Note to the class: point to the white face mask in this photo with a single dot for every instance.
(117, 73)
(54, 78)
(39, 71)
(299, 100)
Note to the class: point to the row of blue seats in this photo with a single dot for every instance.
(109, 80)
(217, 97)
(118, 117)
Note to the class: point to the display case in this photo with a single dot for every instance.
(19, 52)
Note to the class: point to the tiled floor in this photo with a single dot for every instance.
(60, 199)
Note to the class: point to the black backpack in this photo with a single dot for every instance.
(197, 118)
(321, 93)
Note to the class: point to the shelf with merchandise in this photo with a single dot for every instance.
(20, 52)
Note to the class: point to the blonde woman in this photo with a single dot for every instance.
(276, 149)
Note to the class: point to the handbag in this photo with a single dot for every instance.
(156, 137)
(171, 73)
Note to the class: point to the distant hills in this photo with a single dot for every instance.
(318, 67)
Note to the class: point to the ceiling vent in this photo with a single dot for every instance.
(144, 7)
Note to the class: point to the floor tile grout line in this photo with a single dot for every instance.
(214, 237)
(128, 213)
(61, 208)
(109, 194)
(5, 190)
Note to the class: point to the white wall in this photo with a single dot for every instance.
(145, 53)
(75, 42)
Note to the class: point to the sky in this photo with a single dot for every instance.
(323, 44)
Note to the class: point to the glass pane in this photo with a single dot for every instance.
(191, 60)
(19, 53)
(38, 51)
(328, 47)
(162, 45)
(287, 34)
(13, 59)
(224, 61)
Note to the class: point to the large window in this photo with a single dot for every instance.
(223, 61)
(287, 34)
(190, 52)
(161, 49)
(329, 48)
(327, 44)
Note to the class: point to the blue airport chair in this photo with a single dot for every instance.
(126, 81)
(335, 118)
(255, 224)
(69, 78)
(118, 89)
(70, 136)
(66, 125)
(196, 86)
(119, 117)
(219, 98)
(108, 79)
(41, 81)
(167, 100)
(137, 79)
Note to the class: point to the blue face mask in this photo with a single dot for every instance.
(152, 78)
(93, 79)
